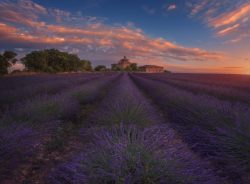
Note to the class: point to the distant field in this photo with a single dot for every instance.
(131, 128)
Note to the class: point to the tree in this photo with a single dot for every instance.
(3, 65)
(115, 68)
(53, 60)
(86, 65)
(134, 67)
(100, 68)
(36, 61)
(10, 56)
(6, 60)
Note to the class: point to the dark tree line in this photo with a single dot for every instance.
(103, 68)
(48, 60)
(52, 60)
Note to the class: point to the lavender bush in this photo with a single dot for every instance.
(132, 155)
(234, 144)
(124, 103)
(127, 154)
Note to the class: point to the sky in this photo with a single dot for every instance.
(200, 36)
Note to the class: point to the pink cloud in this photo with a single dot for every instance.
(171, 7)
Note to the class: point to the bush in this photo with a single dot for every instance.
(100, 68)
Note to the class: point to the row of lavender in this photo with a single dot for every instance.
(17, 82)
(20, 88)
(217, 130)
(231, 91)
(25, 128)
(240, 82)
(131, 143)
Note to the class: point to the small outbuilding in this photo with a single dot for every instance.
(151, 69)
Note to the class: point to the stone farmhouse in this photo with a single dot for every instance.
(124, 63)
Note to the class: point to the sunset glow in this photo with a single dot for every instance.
(207, 36)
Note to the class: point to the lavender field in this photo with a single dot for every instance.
(131, 128)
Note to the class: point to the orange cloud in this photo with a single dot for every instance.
(15, 35)
(5, 29)
(234, 24)
(231, 17)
